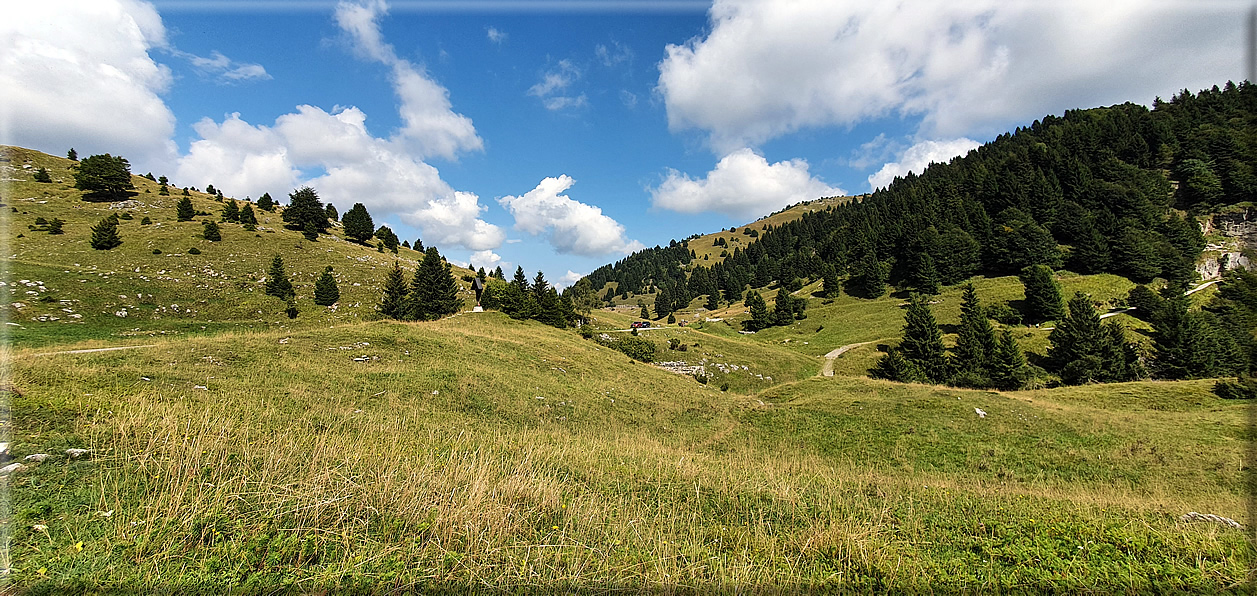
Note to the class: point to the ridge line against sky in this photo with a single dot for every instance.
(568, 134)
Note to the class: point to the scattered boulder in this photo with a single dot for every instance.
(11, 468)
(77, 453)
(980, 412)
(37, 457)
(1198, 517)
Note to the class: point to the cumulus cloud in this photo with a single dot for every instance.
(573, 227)
(743, 185)
(495, 35)
(78, 74)
(430, 127)
(919, 156)
(568, 279)
(550, 90)
(245, 159)
(224, 69)
(767, 69)
(487, 259)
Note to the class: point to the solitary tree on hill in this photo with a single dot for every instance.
(104, 177)
(163, 186)
(265, 203)
(72, 155)
(184, 211)
(105, 234)
(358, 224)
(760, 317)
(231, 211)
(248, 218)
(326, 293)
(211, 231)
(54, 226)
(41, 175)
(305, 212)
(277, 283)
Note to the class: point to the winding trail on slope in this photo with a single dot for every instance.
(828, 369)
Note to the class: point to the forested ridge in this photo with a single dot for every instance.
(1096, 190)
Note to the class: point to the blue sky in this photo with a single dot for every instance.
(562, 135)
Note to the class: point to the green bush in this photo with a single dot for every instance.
(194, 251)
(637, 348)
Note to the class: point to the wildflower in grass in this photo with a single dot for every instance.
(78, 546)
(43, 571)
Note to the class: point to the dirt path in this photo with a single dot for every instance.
(95, 350)
(828, 369)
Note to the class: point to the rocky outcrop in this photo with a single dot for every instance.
(1240, 227)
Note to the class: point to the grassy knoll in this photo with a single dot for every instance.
(59, 290)
(481, 453)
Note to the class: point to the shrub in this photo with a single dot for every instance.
(637, 348)
(146, 221)
(194, 251)
(1240, 388)
(156, 251)
(1004, 313)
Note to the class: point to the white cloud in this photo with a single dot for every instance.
(553, 83)
(78, 74)
(244, 159)
(742, 185)
(767, 69)
(496, 36)
(615, 55)
(223, 68)
(430, 127)
(628, 98)
(917, 157)
(574, 227)
(487, 259)
(567, 279)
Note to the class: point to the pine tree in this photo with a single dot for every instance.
(497, 272)
(975, 341)
(393, 300)
(1184, 345)
(924, 277)
(1043, 295)
(713, 301)
(539, 286)
(829, 282)
(388, 238)
(277, 283)
(248, 218)
(1077, 343)
(265, 202)
(922, 342)
(520, 281)
(358, 223)
(760, 317)
(163, 186)
(231, 212)
(894, 367)
(41, 175)
(310, 231)
(868, 280)
(305, 212)
(433, 292)
(644, 314)
(1008, 367)
(211, 231)
(326, 293)
(105, 234)
(332, 214)
(185, 211)
(663, 303)
(72, 155)
(290, 307)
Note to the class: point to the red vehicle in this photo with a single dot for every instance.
(641, 324)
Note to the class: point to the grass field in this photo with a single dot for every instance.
(235, 450)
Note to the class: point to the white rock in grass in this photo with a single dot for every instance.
(77, 453)
(979, 412)
(11, 468)
(1190, 517)
(37, 457)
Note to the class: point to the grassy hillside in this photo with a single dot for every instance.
(707, 253)
(232, 448)
(150, 286)
(481, 452)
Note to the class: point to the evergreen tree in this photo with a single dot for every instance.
(713, 301)
(1147, 304)
(1008, 367)
(41, 175)
(829, 282)
(332, 214)
(55, 226)
(1043, 295)
(277, 283)
(520, 280)
(482, 275)
(358, 223)
(895, 367)
(1077, 344)
(393, 300)
(105, 234)
(760, 317)
(185, 211)
(265, 203)
(975, 341)
(923, 277)
(539, 287)
(211, 231)
(163, 186)
(72, 155)
(305, 212)
(584, 299)
(290, 307)
(248, 218)
(310, 232)
(868, 279)
(1185, 345)
(326, 292)
(644, 314)
(922, 342)
(1091, 252)
(103, 178)
(550, 309)
(231, 212)
(663, 303)
(497, 272)
(418, 245)
(433, 293)
(209, 189)
(390, 240)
